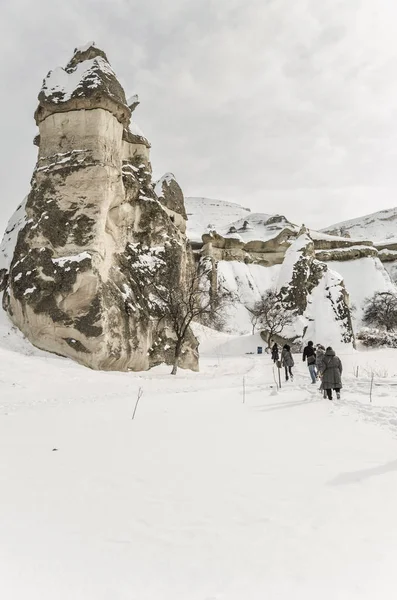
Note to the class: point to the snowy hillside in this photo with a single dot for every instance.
(377, 227)
(207, 213)
(232, 220)
(246, 283)
(363, 277)
(229, 219)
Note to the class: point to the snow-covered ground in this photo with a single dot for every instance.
(202, 496)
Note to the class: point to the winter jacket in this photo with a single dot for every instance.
(309, 353)
(286, 358)
(275, 352)
(331, 371)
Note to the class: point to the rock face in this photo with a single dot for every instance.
(77, 282)
(171, 197)
(351, 253)
(232, 247)
(317, 294)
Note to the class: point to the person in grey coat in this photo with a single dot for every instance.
(331, 373)
(287, 361)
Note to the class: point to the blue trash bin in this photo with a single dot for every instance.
(259, 349)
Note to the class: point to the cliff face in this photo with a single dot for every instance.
(317, 294)
(77, 282)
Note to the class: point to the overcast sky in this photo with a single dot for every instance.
(285, 106)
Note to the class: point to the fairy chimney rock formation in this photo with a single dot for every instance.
(93, 231)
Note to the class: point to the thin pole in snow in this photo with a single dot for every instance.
(370, 389)
(139, 396)
(244, 389)
(279, 376)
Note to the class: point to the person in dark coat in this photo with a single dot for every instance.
(275, 352)
(309, 354)
(320, 355)
(331, 372)
(287, 361)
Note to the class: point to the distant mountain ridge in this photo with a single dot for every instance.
(377, 227)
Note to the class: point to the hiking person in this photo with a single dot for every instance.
(309, 353)
(275, 352)
(331, 372)
(287, 361)
(320, 355)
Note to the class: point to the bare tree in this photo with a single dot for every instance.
(181, 300)
(381, 311)
(271, 314)
(254, 318)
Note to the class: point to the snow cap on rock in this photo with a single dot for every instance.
(87, 81)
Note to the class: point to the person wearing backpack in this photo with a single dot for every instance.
(287, 361)
(309, 354)
(331, 372)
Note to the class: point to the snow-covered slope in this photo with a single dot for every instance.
(362, 277)
(233, 220)
(377, 227)
(209, 214)
(246, 283)
(228, 219)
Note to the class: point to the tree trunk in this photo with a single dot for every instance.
(178, 349)
(174, 368)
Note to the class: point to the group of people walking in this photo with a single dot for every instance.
(323, 365)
